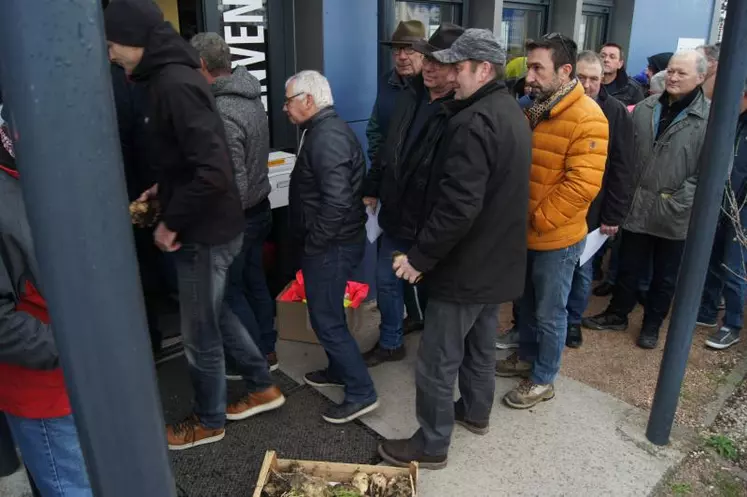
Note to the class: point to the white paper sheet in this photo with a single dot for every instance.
(594, 242)
(373, 230)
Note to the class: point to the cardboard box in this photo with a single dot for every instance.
(292, 320)
(330, 471)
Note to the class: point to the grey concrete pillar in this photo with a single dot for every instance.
(486, 14)
(621, 24)
(565, 17)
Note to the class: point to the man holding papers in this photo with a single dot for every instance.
(609, 209)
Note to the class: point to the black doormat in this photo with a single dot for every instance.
(296, 431)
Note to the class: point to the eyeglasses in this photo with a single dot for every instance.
(558, 36)
(407, 50)
(288, 99)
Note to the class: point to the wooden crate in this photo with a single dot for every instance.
(330, 471)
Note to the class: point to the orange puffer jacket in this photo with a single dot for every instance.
(569, 152)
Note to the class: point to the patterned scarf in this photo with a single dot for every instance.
(540, 109)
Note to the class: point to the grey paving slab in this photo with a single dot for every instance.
(578, 444)
(15, 485)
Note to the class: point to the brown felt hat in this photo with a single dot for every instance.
(407, 33)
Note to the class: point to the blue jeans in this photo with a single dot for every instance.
(725, 277)
(543, 320)
(578, 299)
(391, 291)
(208, 326)
(326, 276)
(247, 293)
(50, 449)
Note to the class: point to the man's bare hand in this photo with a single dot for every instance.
(404, 270)
(166, 239)
(148, 194)
(609, 230)
(371, 202)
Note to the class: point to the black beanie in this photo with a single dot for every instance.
(128, 22)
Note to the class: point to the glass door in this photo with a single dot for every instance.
(593, 31)
(522, 22)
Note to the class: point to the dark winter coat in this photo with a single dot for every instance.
(391, 85)
(611, 204)
(626, 89)
(472, 246)
(325, 196)
(196, 186)
(248, 133)
(399, 177)
(131, 103)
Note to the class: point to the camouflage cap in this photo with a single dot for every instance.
(474, 44)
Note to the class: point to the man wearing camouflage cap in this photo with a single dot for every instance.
(470, 251)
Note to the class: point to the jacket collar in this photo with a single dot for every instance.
(455, 106)
(566, 102)
(320, 116)
(397, 81)
(698, 107)
(622, 79)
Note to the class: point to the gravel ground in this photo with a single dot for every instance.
(611, 362)
(731, 423)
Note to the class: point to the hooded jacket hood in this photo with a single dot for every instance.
(164, 47)
(240, 83)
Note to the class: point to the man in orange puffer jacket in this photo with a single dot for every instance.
(570, 135)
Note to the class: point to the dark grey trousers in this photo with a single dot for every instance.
(458, 339)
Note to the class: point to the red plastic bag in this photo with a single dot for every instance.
(355, 293)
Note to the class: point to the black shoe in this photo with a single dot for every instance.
(480, 428)
(411, 326)
(649, 337)
(604, 289)
(574, 339)
(321, 379)
(606, 321)
(379, 355)
(402, 452)
(642, 295)
(348, 411)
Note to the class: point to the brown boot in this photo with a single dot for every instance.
(191, 433)
(255, 403)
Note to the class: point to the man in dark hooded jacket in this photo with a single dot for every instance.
(201, 222)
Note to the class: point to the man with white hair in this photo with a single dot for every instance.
(669, 134)
(328, 219)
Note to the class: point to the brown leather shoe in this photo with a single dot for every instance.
(191, 433)
(255, 403)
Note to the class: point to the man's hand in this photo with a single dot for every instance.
(405, 271)
(148, 194)
(166, 239)
(609, 230)
(371, 202)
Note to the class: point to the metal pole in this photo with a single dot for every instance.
(714, 162)
(56, 80)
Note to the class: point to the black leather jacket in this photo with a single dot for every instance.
(325, 197)
(627, 90)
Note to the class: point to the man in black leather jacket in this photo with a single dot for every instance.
(328, 218)
(616, 81)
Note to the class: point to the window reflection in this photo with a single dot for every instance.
(431, 14)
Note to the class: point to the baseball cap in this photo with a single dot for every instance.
(474, 44)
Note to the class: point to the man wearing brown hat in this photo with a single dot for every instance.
(407, 63)
(398, 177)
